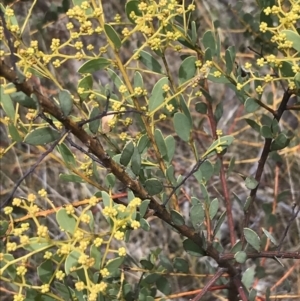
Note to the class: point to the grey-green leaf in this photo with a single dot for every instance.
(153, 186)
(213, 208)
(252, 239)
(94, 65)
(41, 136)
(187, 69)
(127, 153)
(177, 218)
(150, 62)
(158, 94)
(113, 36)
(240, 256)
(182, 126)
(251, 183)
(65, 101)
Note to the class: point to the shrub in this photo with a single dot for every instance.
(153, 159)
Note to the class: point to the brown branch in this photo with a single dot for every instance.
(262, 161)
(208, 285)
(264, 254)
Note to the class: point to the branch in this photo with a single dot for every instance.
(207, 286)
(262, 161)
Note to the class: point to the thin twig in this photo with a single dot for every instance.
(30, 170)
(293, 217)
(216, 276)
(194, 169)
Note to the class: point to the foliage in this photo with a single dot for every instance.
(126, 118)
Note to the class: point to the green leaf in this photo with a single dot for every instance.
(182, 126)
(143, 143)
(201, 107)
(248, 277)
(293, 37)
(252, 294)
(136, 161)
(3, 227)
(187, 69)
(191, 248)
(107, 201)
(275, 128)
(153, 186)
(286, 69)
(150, 62)
(218, 111)
(219, 223)
(197, 215)
(144, 224)
(127, 153)
(41, 136)
(37, 243)
(181, 265)
(95, 252)
(113, 36)
(208, 41)
(240, 256)
(144, 207)
(65, 101)
(194, 32)
(297, 80)
(7, 104)
(207, 170)
(138, 80)
(67, 155)
(160, 142)
(94, 65)
(132, 6)
(177, 218)
(165, 262)
(229, 61)
(14, 133)
(164, 286)
(86, 83)
(71, 261)
(45, 271)
(66, 221)
(94, 125)
(114, 264)
(280, 142)
(252, 239)
(222, 142)
(236, 247)
(11, 270)
(157, 94)
(23, 100)
(251, 183)
(266, 132)
(251, 105)
(270, 236)
(170, 144)
(213, 208)
(118, 82)
(71, 178)
(253, 124)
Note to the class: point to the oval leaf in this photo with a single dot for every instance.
(252, 239)
(94, 65)
(113, 36)
(182, 126)
(42, 136)
(65, 101)
(153, 186)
